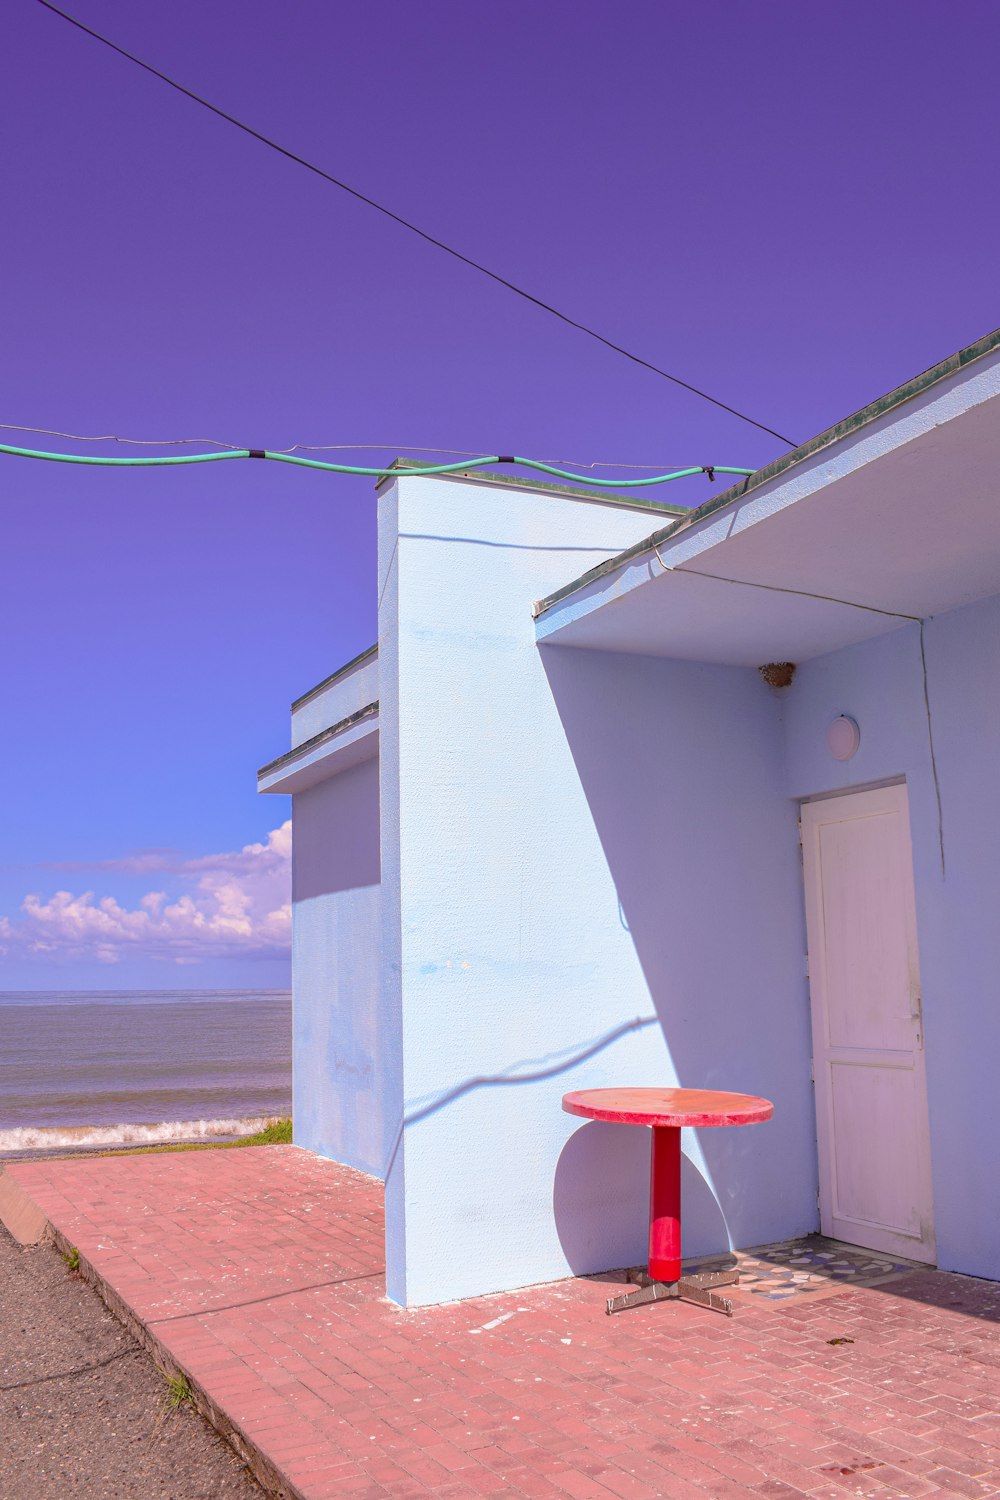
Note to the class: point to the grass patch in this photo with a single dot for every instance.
(278, 1134)
(72, 1258)
(178, 1391)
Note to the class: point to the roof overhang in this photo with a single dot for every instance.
(893, 515)
(335, 749)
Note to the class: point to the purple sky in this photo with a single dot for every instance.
(789, 204)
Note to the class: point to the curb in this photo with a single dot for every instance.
(20, 1214)
(29, 1226)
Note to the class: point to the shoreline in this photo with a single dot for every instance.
(34, 1143)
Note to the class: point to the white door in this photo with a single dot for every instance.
(868, 1047)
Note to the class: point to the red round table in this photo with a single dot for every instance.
(666, 1111)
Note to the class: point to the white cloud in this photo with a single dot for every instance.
(274, 854)
(238, 904)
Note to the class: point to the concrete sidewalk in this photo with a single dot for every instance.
(258, 1273)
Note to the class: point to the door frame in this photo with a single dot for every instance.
(832, 1223)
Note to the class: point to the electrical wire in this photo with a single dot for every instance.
(930, 742)
(110, 437)
(463, 465)
(412, 448)
(873, 609)
(413, 228)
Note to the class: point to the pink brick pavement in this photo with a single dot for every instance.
(259, 1272)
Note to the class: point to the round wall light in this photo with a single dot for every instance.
(843, 738)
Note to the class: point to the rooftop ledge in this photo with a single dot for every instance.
(889, 516)
(334, 677)
(344, 744)
(492, 480)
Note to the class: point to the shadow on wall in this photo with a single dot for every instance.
(601, 1196)
(335, 845)
(681, 764)
(338, 1046)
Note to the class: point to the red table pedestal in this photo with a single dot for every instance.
(665, 1204)
(666, 1110)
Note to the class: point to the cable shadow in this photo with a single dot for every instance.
(478, 541)
(567, 1059)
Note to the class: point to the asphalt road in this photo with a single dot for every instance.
(83, 1410)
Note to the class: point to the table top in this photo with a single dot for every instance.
(668, 1106)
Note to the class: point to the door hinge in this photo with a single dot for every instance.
(805, 964)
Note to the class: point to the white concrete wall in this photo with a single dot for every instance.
(338, 1058)
(350, 689)
(389, 950)
(880, 684)
(583, 885)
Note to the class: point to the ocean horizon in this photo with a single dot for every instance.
(93, 1068)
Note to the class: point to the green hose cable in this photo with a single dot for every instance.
(132, 463)
(429, 469)
(531, 463)
(525, 463)
(425, 470)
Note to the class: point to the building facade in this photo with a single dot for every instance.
(559, 831)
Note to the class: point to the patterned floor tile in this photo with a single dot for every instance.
(805, 1266)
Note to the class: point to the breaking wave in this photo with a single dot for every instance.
(49, 1138)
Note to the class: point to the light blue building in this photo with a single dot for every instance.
(559, 831)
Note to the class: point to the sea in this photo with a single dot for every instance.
(115, 1068)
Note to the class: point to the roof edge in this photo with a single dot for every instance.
(857, 420)
(369, 711)
(355, 661)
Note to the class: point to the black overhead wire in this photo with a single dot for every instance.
(414, 229)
